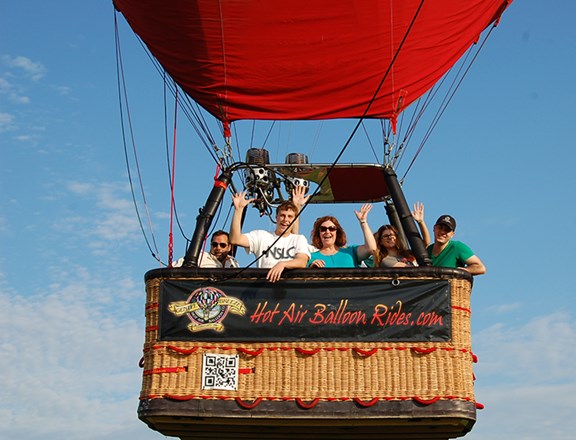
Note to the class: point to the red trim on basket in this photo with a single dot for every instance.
(464, 309)
(313, 403)
(181, 350)
(423, 350)
(246, 370)
(366, 353)
(306, 351)
(188, 397)
(152, 328)
(243, 404)
(372, 402)
(251, 352)
(305, 405)
(165, 370)
(151, 306)
(426, 401)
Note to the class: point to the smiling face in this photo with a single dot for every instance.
(388, 239)
(442, 234)
(323, 233)
(284, 219)
(220, 247)
(328, 233)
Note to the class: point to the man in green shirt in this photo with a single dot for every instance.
(445, 252)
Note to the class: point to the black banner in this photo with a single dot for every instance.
(305, 310)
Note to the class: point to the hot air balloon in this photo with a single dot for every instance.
(362, 352)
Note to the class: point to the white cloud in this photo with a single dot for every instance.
(525, 379)
(526, 412)
(504, 308)
(4, 85)
(6, 121)
(69, 360)
(19, 99)
(33, 70)
(24, 138)
(538, 349)
(113, 221)
(79, 187)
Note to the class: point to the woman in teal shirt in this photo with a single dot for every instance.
(330, 239)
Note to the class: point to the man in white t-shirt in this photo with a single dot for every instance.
(276, 250)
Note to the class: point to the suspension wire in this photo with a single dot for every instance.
(168, 161)
(196, 121)
(369, 141)
(454, 87)
(122, 92)
(172, 204)
(252, 134)
(316, 140)
(269, 133)
(346, 144)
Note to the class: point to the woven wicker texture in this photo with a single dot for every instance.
(318, 370)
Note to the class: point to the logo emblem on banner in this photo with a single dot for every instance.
(206, 308)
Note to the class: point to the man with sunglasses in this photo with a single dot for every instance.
(219, 255)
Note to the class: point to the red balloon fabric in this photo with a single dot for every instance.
(308, 59)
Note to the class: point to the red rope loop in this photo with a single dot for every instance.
(251, 352)
(305, 405)
(372, 402)
(245, 405)
(172, 397)
(182, 350)
(307, 352)
(426, 401)
(423, 350)
(464, 309)
(366, 353)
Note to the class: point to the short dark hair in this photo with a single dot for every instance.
(221, 232)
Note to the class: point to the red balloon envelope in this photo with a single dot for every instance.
(308, 59)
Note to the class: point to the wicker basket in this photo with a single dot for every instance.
(316, 372)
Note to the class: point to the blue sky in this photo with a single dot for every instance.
(72, 255)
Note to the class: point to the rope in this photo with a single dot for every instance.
(121, 85)
(170, 234)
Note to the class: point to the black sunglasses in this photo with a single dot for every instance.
(216, 244)
(327, 228)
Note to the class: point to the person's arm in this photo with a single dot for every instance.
(369, 246)
(236, 236)
(299, 198)
(475, 266)
(299, 261)
(418, 215)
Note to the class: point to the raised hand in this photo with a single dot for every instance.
(362, 215)
(240, 201)
(299, 196)
(418, 212)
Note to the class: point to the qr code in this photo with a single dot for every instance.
(219, 372)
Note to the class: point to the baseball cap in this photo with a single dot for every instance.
(447, 220)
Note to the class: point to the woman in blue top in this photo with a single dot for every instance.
(329, 237)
